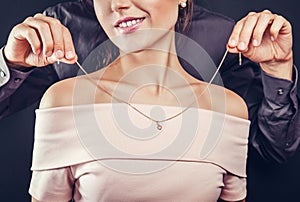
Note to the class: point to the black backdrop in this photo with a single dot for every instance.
(266, 182)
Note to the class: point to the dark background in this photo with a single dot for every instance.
(266, 182)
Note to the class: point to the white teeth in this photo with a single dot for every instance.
(123, 24)
(129, 23)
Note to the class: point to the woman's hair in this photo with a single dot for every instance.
(185, 17)
(109, 52)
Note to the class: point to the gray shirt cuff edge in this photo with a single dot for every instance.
(4, 70)
(280, 90)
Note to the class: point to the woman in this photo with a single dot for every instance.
(128, 132)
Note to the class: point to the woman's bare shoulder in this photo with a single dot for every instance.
(226, 101)
(58, 94)
(77, 90)
(235, 105)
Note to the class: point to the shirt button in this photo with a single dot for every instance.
(2, 74)
(17, 80)
(280, 91)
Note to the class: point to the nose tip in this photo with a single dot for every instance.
(117, 5)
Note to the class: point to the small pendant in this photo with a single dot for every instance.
(159, 127)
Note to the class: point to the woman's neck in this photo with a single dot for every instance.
(160, 57)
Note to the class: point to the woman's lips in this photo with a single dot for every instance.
(129, 24)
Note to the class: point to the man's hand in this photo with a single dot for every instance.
(265, 38)
(39, 41)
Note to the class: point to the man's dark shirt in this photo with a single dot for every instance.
(272, 102)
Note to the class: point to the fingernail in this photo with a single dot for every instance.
(37, 52)
(49, 53)
(59, 54)
(272, 38)
(70, 55)
(232, 42)
(242, 46)
(255, 42)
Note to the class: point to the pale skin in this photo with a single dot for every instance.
(263, 37)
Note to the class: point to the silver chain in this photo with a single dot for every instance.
(158, 122)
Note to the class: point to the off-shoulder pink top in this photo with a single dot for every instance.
(110, 152)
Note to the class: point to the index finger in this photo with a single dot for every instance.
(62, 41)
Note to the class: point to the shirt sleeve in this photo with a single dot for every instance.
(278, 119)
(273, 107)
(10, 78)
(52, 185)
(4, 71)
(22, 87)
(234, 188)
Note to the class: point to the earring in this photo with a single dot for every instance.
(182, 4)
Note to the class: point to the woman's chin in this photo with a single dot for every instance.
(139, 40)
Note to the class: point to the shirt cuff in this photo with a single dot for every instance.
(12, 75)
(4, 71)
(279, 90)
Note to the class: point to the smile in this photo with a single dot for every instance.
(130, 23)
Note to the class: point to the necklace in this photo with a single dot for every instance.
(158, 122)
